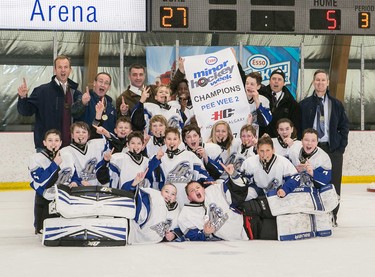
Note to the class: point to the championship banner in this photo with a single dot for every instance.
(217, 91)
(161, 60)
(266, 59)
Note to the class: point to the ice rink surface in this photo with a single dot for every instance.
(350, 251)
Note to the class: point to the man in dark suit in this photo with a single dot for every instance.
(326, 114)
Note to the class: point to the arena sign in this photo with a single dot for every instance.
(85, 15)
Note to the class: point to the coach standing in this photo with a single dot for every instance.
(326, 114)
(54, 104)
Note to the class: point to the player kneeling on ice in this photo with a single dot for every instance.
(258, 175)
(315, 194)
(209, 215)
(156, 214)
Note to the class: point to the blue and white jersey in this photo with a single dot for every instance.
(172, 114)
(229, 226)
(189, 111)
(260, 178)
(83, 163)
(123, 169)
(321, 163)
(153, 146)
(261, 116)
(242, 154)
(182, 168)
(152, 218)
(43, 172)
(283, 149)
(226, 156)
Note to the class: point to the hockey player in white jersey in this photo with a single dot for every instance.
(123, 167)
(158, 124)
(191, 135)
(156, 215)
(44, 168)
(286, 140)
(143, 111)
(221, 134)
(265, 171)
(82, 157)
(209, 215)
(313, 164)
(260, 113)
(258, 175)
(179, 166)
(248, 145)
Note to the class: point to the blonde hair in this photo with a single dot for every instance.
(229, 139)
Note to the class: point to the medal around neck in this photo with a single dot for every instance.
(105, 117)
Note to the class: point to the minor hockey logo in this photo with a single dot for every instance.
(274, 184)
(237, 164)
(180, 174)
(174, 122)
(216, 216)
(306, 180)
(231, 160)
(65, 175)
(88, 173)
(162, 227)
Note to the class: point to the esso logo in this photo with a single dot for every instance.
(258, 62)
(211, 60)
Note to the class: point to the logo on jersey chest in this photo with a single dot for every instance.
(180, 174)
(64, 177)
(88, 173)
(162, 227)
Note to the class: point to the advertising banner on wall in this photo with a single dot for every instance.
(266, 59)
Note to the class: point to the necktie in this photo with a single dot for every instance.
(63, 87)
(274, 100)
(320, 117)
(66, 118)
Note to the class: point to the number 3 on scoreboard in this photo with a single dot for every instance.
(364, 19)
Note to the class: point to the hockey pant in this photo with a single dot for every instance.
(259, 223)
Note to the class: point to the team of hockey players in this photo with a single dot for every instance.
(185, 188)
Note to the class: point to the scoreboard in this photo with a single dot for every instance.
(352, 17)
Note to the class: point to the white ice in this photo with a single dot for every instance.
(348, 252)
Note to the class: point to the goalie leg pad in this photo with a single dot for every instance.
(85, 232)
(295, 226)
(323, 224)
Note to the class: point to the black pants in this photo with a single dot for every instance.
(41, 212)
(337, 162)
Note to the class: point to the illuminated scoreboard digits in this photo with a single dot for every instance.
(174, 17)
(347, 17)
(364, 20)
(325, 19)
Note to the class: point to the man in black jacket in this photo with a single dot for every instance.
(326, 114)
(54, 104)
(282, 103)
